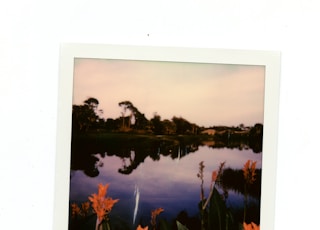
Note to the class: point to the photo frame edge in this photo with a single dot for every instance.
(271, 59)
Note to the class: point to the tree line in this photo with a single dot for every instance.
(87, 117)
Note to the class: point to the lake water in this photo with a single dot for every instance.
(159, 181)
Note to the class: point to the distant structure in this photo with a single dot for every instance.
(209, 131)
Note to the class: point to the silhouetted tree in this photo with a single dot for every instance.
(92, 103)
(84, 116)
(182, 125)
(169, 127)
(126, 106)
(156, 124)
(256, 138)
(132, 118)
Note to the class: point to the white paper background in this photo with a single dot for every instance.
(30, 34)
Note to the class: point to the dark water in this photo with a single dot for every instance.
(160, 181)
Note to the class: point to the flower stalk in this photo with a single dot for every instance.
(154, 215)
(249, 174)
(102, 206)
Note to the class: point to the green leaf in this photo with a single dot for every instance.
(217, 212)
(164, 225)
(181, 226)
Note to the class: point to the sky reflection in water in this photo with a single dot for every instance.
(167, 183)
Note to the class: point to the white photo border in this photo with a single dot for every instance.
(269, 59)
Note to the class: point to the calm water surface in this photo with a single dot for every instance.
(168, 183)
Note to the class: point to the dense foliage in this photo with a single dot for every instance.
(87, 117)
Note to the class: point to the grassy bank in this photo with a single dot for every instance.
(139, 138)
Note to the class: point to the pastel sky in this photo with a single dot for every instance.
(205, 94)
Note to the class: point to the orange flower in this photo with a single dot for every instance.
(157, 211)
(214, 176)
(141, 228)
(249, 172)
(85, 208)
(102, 190)
(75, 210)
(246, 169)
(217, 173)
(154, 215)
(253, 169)
(100, 204)
(251, 226)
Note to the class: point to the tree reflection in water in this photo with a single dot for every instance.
(88, 154)
(134, 151)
